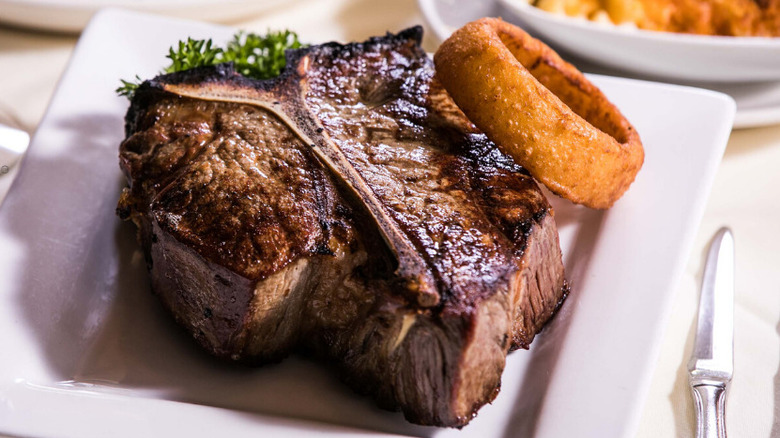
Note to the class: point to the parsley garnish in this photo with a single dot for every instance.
(260, 57)
(255, 56)
(193, 53)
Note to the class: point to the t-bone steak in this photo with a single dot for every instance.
(346, 209)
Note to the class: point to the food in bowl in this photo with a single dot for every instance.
(705, 17)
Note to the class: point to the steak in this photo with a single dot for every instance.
(346, 209)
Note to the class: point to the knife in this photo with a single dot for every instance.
(712, 362)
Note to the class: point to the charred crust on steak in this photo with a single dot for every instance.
(346, 208)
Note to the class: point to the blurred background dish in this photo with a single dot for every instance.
(746, 68)
(665, 55)
(702, 17)
(72, 15)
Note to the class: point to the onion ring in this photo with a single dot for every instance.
(540, 110)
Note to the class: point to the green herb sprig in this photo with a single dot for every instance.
(254, 56)
(192, 54)
(260, 57)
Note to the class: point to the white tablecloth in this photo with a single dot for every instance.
(745, 196)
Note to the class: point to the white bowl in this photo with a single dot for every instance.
(666, 55)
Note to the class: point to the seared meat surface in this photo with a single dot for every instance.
(346, 208)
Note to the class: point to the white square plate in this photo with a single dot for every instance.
(87, 351)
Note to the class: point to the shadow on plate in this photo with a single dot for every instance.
(578, 228)
(50, 209)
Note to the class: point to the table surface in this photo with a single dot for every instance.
(745, 196)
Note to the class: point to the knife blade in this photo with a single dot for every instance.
(712, 362)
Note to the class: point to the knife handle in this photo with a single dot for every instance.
(710, 410)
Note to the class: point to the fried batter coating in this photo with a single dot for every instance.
(540, 110)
